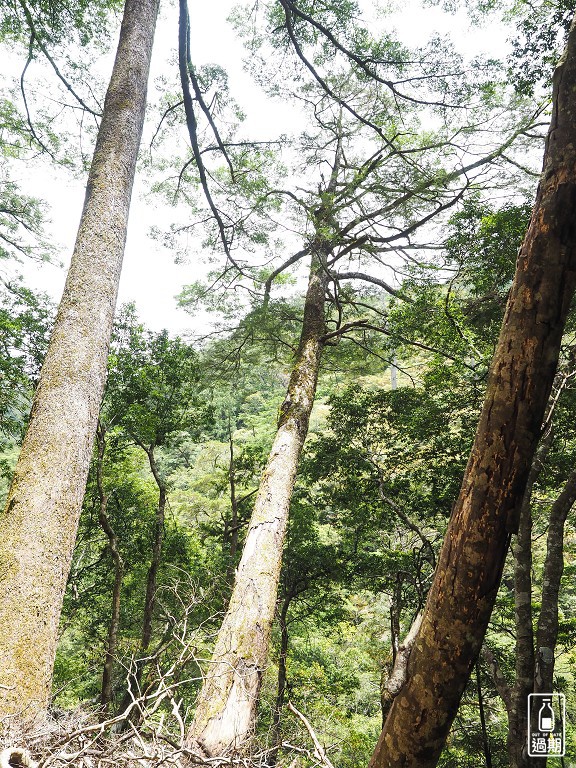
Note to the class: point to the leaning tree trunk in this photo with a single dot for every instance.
(486, 513)
(227, 703)
(40, 520)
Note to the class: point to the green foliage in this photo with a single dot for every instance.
(382, 467)
(25, 321)
(153, 385)
(542, 31)
(55, 21)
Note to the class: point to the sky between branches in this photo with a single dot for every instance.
(150, 277)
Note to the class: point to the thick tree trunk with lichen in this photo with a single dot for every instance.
(40, 520)
(226, 706)
(470, 565)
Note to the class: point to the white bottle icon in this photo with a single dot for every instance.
(546, 717)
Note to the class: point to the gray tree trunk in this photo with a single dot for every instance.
(226, 706)
(516, 704)
(40, 520)
(547, 633)
(106, 691)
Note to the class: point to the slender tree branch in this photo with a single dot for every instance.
(23, 92)
(167, 111)
(183, 59)
(42, 47)
(319, 751)
(369, 279)
(204, 108)
(288, 263)
(288, 4)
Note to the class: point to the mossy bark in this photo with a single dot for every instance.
(226, 706)
(486, 513)
(40, 520)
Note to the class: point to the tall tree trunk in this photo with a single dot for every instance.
(158, 541)
(135, 677)
(547, 633)
(524, 678)
(485, 739)
(227, 702)
(282, 681)
(516, 704)
(232, 532)
(486, 513)
(39, 523)
(106, 692)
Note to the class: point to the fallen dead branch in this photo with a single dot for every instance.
(319, 751)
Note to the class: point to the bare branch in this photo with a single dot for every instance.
(319, 751)
(183, 59)
(369, 279)
(288, 263)
(42, 47)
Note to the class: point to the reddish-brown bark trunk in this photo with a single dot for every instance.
(486, 513)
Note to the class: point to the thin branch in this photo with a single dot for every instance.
(164, 116)
(369, 279)
(204, 108)
(367, 325)
(444, 180)
(23, 91)
(402, 515)
(183, 59)
(288, 263)
(44, 50)
(324, 85)
(319, 751)
(362, 63)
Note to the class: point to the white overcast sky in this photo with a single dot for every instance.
(150, 277)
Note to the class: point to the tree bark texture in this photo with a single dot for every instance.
(227, 703)
(486, 512)
(517, 745)
(485, 738)
(40, 519)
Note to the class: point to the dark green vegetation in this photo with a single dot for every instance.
(408, 243)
